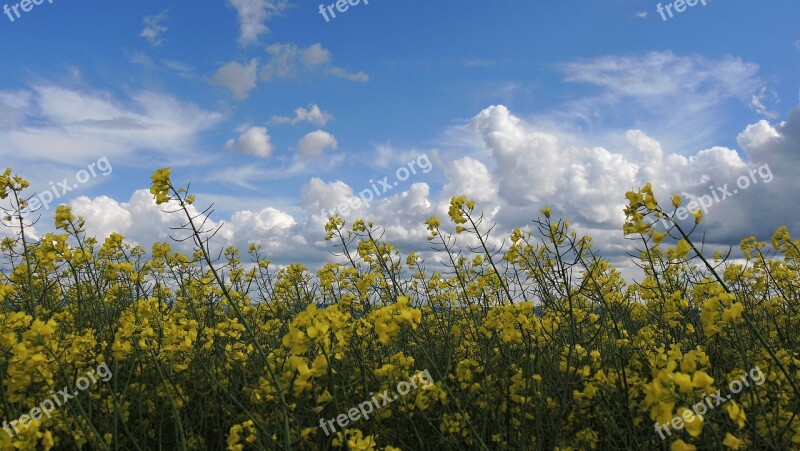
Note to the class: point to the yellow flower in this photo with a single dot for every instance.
(736, 413)
(47, 440)
(698, 216)
(160, 185)
(701, 379)
(684, 382)
(734, 312)
(682, 249)
(63, 217)
(692, 423)
(731, 441)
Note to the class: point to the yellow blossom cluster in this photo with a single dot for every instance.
(540, 344)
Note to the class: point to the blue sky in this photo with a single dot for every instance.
(519, 104)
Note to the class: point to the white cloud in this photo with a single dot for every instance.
(681, 99)
(274, 229)
(238, 78)
(316, 55)
(317, 194)
(255, 141)
(313, 115)
(291, 61)
(524, 169)
(522, 164)
(469, 177)
(74, 127)
(385, 156)
(641, 14)
(662, 73)
(253, 15)
(757, 135)
(153, 29)
(142, 59)
(360, 76)
(534, 168)
(314, 143)
(179, 67)
(244, 176)
(104, 215)
(15, 105)
(587, 184)
(757, 102)
(263, 222)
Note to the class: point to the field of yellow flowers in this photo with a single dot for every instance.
(541, 346)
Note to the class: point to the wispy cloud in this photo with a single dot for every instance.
(759, 100)
(313, 114)
(153, 28)
(681, 96)
(65, 125)
(253, 16)
(291, 61)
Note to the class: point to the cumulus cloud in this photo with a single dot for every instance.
(139, 219)
(318, 198)
(290, 61)
(254, 226)
(776, 203)
(105, 215)
(253, 16)
(587, 184)
(521, 166)
(313, 115)
(240, 79)
(314, 143)
(318, 194)
(757, 135)
(254, 141)
(153, 28)
(470, 177)
(535, 168)
(315, 55)
(143, 222)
